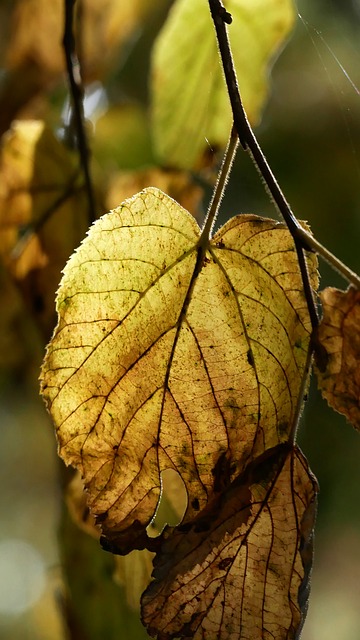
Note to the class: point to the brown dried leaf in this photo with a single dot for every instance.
(177, 184)
(339, 372)
(43, 213)
(35, 58)
(103, 25)
(75, 499)
(241, 568)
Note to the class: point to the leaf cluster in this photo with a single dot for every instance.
(176, 374)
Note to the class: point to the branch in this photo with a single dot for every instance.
(34, 227)
(77, 95)
(221, 182)
(302, 239)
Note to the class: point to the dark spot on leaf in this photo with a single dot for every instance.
(221, 472)
(223, 564)
(250, 358)
(101, 517)
(195, 504)
(282, 428)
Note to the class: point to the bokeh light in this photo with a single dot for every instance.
(22, 576)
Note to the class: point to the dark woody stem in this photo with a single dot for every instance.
(249, 142)
(77, 95)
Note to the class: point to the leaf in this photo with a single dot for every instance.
(338, 373)
(167, 358)
(43, 213)
(132, 572)
(241, 569)
(184, 128)
(37, 33)
(178, 184)
(131, 147)
(35, 59)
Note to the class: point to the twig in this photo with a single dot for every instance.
(248, 140)
(34, 227)
(220, 185)
(302, 238)
(77, 95)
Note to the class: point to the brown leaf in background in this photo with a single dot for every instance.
(75, 499)
(177, 184)
(34, 59)
(241, 568)
(43, 213)
(338, 333)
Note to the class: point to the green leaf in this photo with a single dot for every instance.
(190, 104)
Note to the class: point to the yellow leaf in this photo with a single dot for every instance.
(338, 373)
(241, 569)
(165, 358)
(192, 110)
(43, 213)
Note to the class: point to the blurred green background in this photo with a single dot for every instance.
(311, 135)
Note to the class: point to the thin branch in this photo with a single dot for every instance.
(330, 258)
(249, 141)
(77, 95)
(221, 182)
(37, 225)
(302, 239)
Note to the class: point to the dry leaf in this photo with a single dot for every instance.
(159, 361)
(75, 499)
(177, 352)
(339, 374)
(240, 569)
(35, 58)
(177, 184)
(43, 213)
(102, 26)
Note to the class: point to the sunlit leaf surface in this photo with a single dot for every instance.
(159, 361)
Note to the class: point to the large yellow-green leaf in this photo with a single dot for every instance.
(190, 105)
(165, 357)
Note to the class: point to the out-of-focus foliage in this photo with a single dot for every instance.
(310, 133)
(43, 213)
(338, 335)
(191, 109)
